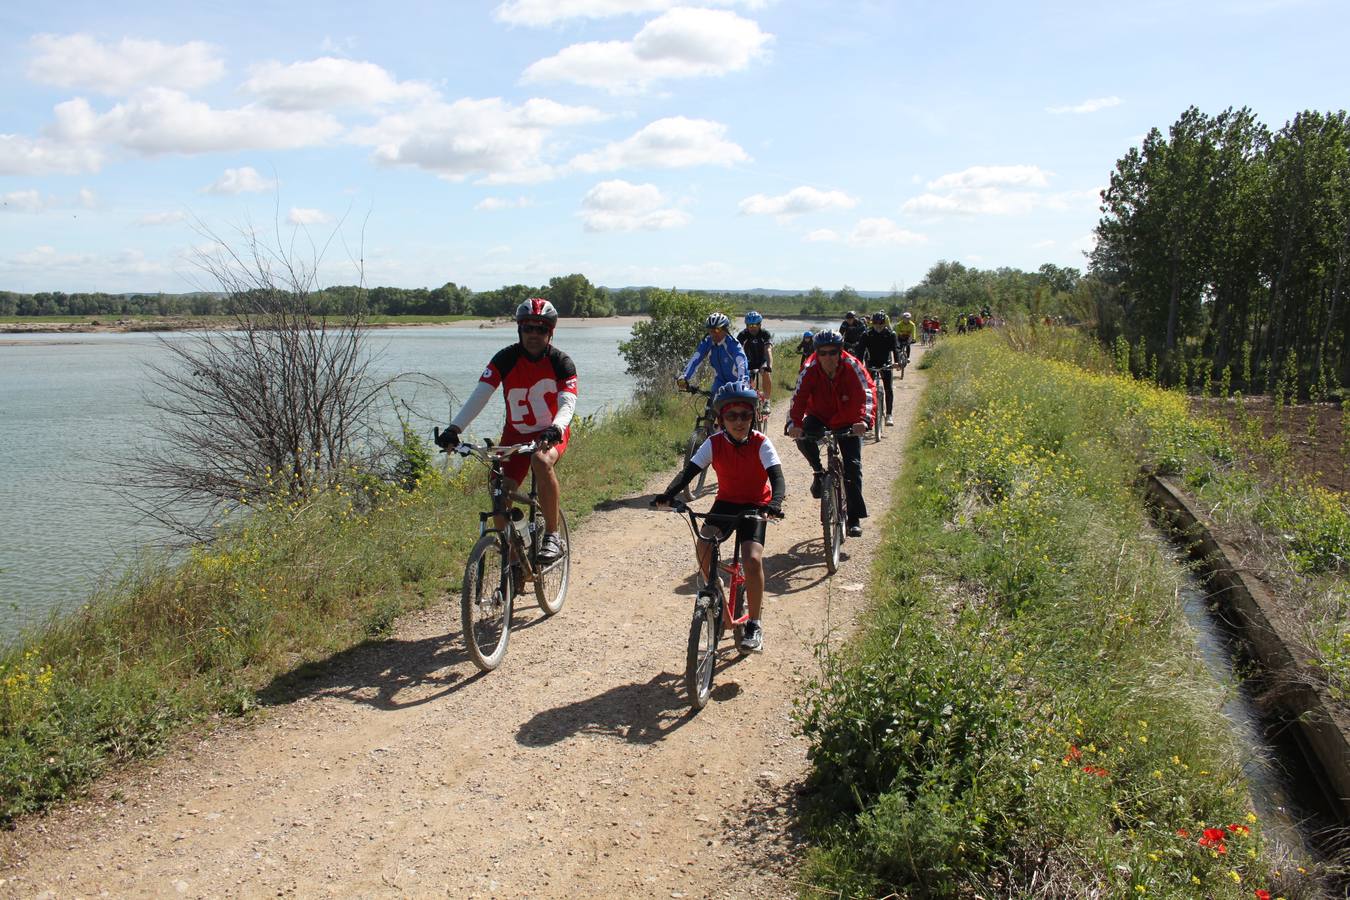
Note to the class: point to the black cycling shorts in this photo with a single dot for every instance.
(749, 529)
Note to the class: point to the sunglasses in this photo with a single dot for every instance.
(828, 351)
(738, 416)
(528, 328)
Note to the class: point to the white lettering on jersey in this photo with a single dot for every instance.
(528, 410)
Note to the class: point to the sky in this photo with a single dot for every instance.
(721, 144)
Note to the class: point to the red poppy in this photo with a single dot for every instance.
(1073, 754)
(1183, 833)
(1213, 839)
(1096, 770)
(1239, 829)
(1262, 894)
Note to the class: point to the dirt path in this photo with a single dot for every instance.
(574, 770)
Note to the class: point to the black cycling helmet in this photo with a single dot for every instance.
(850, 315)
(828, 337)
(879, 318)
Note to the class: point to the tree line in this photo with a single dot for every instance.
(1222, 252)
(947, 289)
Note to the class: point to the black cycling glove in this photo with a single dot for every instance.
(448, 438)
(552, 434)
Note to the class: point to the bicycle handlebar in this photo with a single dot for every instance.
(679, 506)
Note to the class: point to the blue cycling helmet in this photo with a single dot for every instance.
(753, 318)
(735, 392)
(829, 336)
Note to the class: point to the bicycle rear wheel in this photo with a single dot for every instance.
(702, 656)
(485, 601)
(550, 580)
(878, 426)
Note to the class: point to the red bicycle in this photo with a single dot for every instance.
(713, 606)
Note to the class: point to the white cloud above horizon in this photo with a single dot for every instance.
(618, 205)
(79, 61)
(798, 201)
(681, 43)
(243, 180)
(501, 142)
(671, 143)
(492, 204)
(875, 231)
(329, 83)
(302, 216)
(538, 13)
(1087, 106)
(169, 217)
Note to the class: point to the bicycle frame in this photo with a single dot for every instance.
(503, 502)
(735, 572)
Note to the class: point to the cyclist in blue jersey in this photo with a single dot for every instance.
(723, 353)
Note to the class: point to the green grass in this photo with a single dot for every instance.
(1026, 714)
(287, 587)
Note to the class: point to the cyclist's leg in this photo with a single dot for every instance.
(752, 561)
(850, 447)
(543, 464)
(887, 378)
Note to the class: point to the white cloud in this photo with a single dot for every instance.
(331, 83)
(158, 121)
(546, 12)
(822, 236)
(87, 198)
(172, 217)
(620, 206)
(682, 43)
(670, 143)
(244, 180)
(796, 202)
(20, 155)
(994, 191)
(27, 201)
(1087, 106)
(989, 176)
(299, 216)
(491, 204)
(46, 261)
(79, 61)
(1043, 244)
(492, 138)
(878, 232)
(973, 202)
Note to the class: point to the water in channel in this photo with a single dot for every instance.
(1283, 791)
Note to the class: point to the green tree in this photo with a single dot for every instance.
(661, 345)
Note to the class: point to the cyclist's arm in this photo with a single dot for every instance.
(482, 392)
(567, 406)
(700, 354)
(773, 466)
(701, 459)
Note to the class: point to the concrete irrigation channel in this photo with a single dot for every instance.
(1307, 736)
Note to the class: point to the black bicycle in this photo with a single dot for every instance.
(704, 426)
(902, 360)
(833, 498)
(879, 424)
(506, 559)
(713, 605)
(758, 377)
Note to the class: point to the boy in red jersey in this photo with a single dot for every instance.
(749, 477)
(539, 384)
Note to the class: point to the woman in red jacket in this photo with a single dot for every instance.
(835, 392)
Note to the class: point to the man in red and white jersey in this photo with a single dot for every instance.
(539, 384)
(749, 478)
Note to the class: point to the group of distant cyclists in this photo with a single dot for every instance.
(835, 392)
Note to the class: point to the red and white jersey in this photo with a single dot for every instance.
(742, 469)
(531, 387)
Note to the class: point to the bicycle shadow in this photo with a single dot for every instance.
(641, 501)
(786, 572)
(376, 673)
(638, 713)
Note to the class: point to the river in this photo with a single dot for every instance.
(71, 404)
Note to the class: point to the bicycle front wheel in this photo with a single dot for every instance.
(878, 425)
(702, 656)
(485, 601)
(550, 580)
(831, 528)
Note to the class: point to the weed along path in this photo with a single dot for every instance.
(573, 770)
